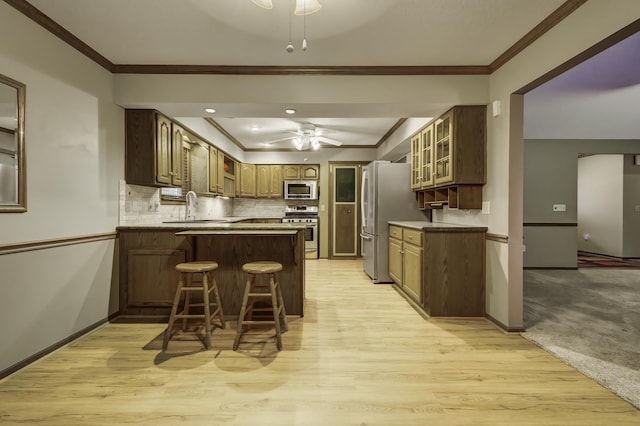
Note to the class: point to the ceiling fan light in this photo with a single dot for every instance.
(297, 142)
(265, 4)
(307, 7)
(315, 144)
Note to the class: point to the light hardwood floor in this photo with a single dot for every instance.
(360, 356)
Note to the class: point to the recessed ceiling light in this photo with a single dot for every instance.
(290, 111)
(255, 127)
(210, 110)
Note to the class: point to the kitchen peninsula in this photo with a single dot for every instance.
(148, 255)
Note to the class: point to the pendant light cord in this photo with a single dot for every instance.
(290, 45)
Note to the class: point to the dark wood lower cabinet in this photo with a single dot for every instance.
(148, 279)
(443, 268)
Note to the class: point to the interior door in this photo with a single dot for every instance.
(345, 210)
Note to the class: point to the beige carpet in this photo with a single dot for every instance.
(589, 318)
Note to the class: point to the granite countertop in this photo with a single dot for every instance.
(222, 224)
(437, 226)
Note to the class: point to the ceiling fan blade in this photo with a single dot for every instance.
(279, 140)
(329, 141)
(324, 131)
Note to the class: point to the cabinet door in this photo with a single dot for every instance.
(291, 171)
(220, 180)
(275, 182)
(238, 185)
(248, 180)
(443, 149)
(163, 150)
(152, 277)
(199, 171)
(263, 180)
(310, 172)
(412, 279)
(177, 171)
(395, 260)
(416, 161)
(426, 158)
(213, 170)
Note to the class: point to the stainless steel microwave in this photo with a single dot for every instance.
(300, 190)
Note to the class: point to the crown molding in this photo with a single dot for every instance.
(567, 8)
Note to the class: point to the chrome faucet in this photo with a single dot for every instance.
(191, 201)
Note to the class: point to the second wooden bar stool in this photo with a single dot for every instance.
(251, 292)
(185, 286)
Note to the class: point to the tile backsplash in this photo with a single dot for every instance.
(141, 205)
(258, 207)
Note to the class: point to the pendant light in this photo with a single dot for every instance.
(307, 7)
(265, 4)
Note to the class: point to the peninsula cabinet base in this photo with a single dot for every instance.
(148, 279)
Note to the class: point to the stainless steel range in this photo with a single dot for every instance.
(309, 216)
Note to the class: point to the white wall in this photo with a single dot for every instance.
(631, 208)
(600, 198)
(609, 205)
(75, 158)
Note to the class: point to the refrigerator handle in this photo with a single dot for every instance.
(365, 236)
(362, 189)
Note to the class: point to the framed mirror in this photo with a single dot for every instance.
(13, 186)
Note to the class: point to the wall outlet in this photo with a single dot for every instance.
(524, 248)
(559, 207)
(486, 207)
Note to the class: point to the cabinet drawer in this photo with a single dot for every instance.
(395, 232)
(412, 236)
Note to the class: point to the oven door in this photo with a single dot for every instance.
(311, 240)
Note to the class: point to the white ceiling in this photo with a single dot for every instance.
(342, 33)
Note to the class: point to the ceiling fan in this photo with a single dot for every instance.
(309, 136)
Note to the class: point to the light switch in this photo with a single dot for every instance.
(559, 207)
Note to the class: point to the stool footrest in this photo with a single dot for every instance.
(258, 322)
(192, 315)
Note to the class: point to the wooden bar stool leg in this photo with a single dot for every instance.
(174, 309)
(207, 310)
(243, 310)
(216, 297)
(282, 309)
(276, 311)
(187, 303)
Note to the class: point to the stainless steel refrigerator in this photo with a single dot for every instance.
(386, 196)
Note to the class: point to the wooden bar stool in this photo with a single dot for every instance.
(185, 286)
(254, 290)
